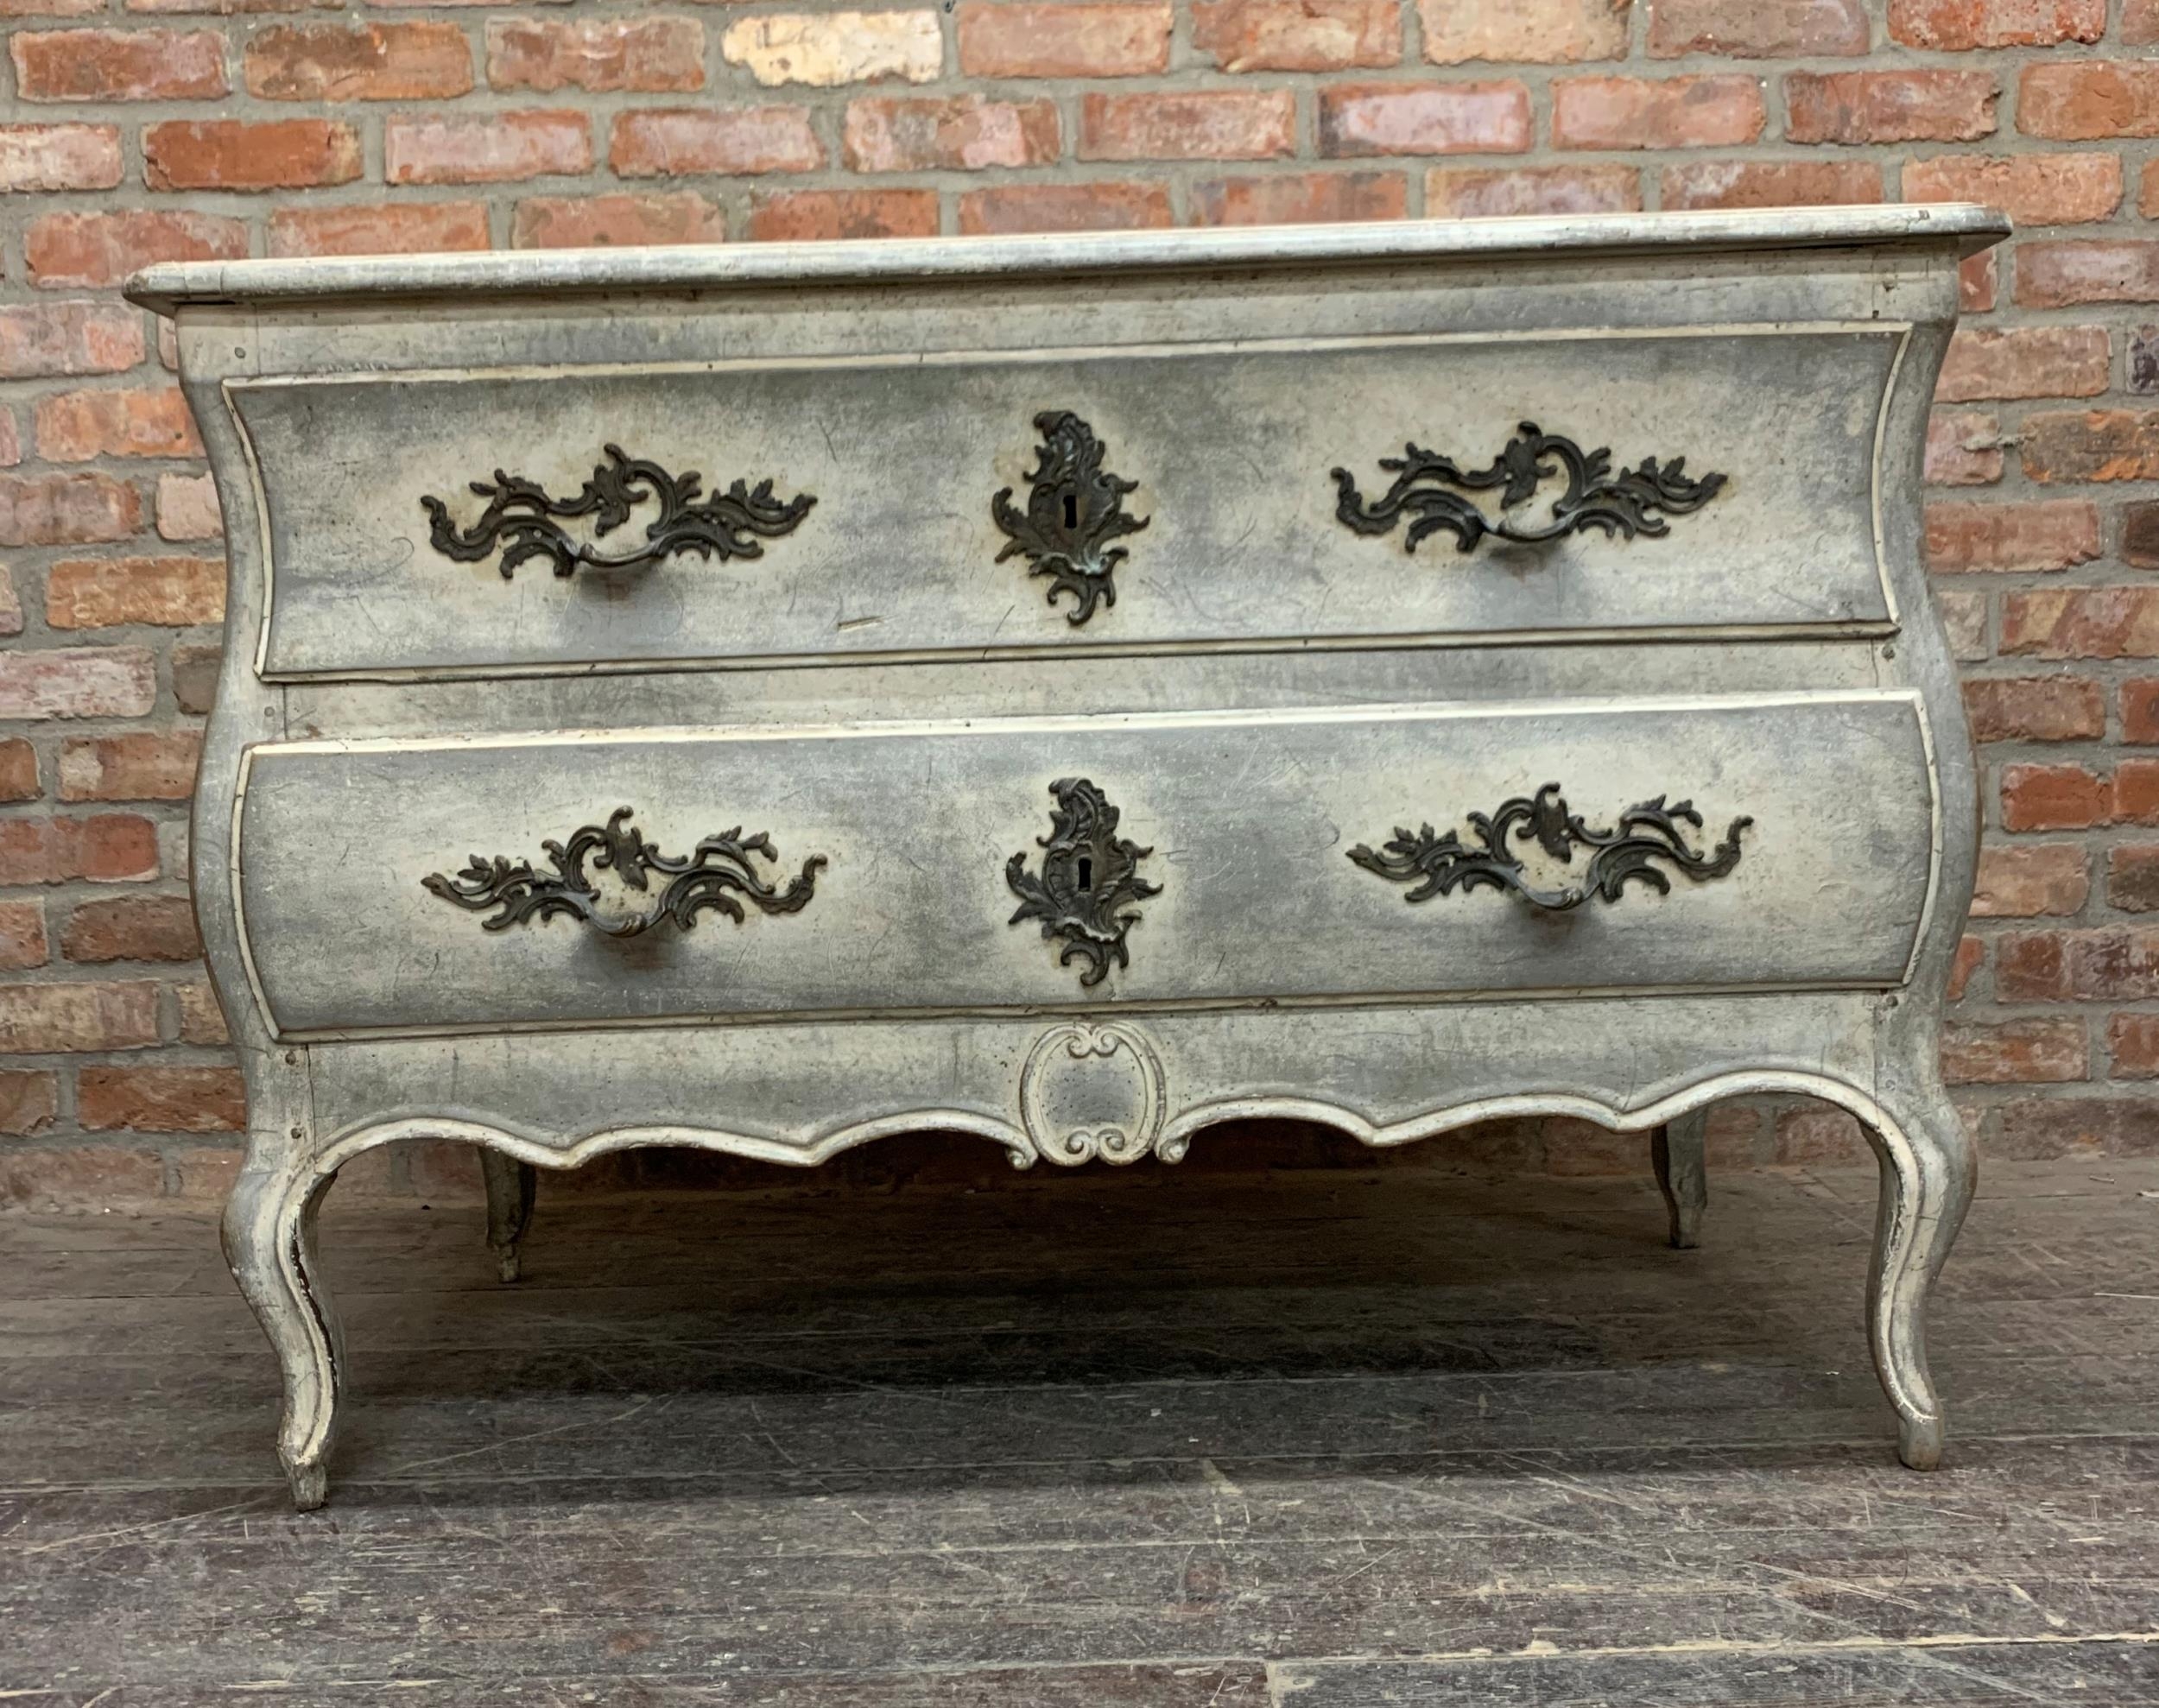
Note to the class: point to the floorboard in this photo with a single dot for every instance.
(1331, 1439)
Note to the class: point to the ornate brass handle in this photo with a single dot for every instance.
(1633, 502)
(711, 879)
(520, 518)
(1647, 832)
(1075, 508)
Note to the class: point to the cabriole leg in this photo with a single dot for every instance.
(1682, 1175)
(511, 1188)
(270, 1242)
(1928, 1171)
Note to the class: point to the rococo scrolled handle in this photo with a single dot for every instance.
(710, 880)
(1075, 507)
(1634, 501)
(520, 520)
(1647, 832)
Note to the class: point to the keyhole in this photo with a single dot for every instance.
(1072, 520)
(1086, 875)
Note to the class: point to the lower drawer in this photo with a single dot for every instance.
(1326, 856)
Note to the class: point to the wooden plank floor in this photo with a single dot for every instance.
(1327, 1439)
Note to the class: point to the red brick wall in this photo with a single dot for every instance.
(152, 128)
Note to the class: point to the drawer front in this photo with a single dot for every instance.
(387, 560)
(1253, 860)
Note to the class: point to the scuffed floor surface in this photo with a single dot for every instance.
(1319, 1440)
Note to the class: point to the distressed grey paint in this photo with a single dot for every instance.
(1255, 712)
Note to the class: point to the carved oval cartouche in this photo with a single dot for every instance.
(1074, 1111)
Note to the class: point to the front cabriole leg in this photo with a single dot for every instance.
(1928, 1171)
(268, 1233)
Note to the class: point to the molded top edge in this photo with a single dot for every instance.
(169, 285)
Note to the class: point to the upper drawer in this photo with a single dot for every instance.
(1251, 540)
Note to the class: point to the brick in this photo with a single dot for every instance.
(77, 426)
(2040, 1128)
(824, 50)
(2028, 880)
(65, 509)
(188, 507)
(28, 1098)
(1111, 207)
(420, 149)
(1674, 112)
(1242, 35)
(2144, 360)
(742, 139)
(1757, 29)
(1525, 32)
(54, 1178)
(1815, 1134)
(160, 1100)
(2033, 189)
(1769, 183)
(44, 340)
(2082, 622)
(999, 38)
(195, 678)
(1426, 118)
(22, 944)
(2083, 100)
(1200, 124)
(2055, 798)
(102, 848)
(2052, 534)
(1963, 448)
(2133, 882)
(118, 64)
(11, 605)
(1956, 26)
(2148, 190)
(77, 682)
(649, 55)
(2016, 1053)
(142, 765)
(132, 928)
(201, 1021)
(2140, 711)
(2024, 362)
(2036, 709)
(1300, 198)
(2140, 22)
(1858, 107)
(824, 216)
(2110, 964)
(48, 157)
(2132, 1047)
(10, 449)
(98, 250)
(1970, 957)
(18, 771)
(1976, 283)
(282, 154)
(420, 61)
(589, 222)
(2140, 535)
(2059, 444)
(1485, 192)
(947, 133)
(391, 228)
(2136, 792)
(100, 592)
(2065, 271)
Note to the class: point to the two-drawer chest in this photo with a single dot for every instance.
(1078, 691)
